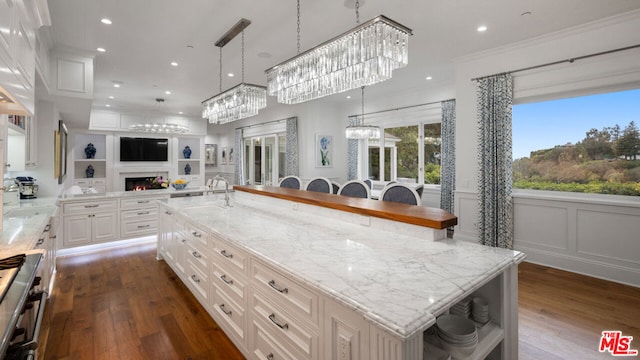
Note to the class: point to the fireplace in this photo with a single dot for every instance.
(141, 183)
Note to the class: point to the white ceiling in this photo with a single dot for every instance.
(147, 35)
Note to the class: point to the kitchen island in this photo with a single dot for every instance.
(286, 278)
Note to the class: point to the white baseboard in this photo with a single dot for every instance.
(89, 249)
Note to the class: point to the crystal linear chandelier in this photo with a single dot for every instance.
(159, 127)
(362, 56)
(361, 131)
(241, 101)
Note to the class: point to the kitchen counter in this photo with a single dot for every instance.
(120, 194)
(398, 281)
(23, 224)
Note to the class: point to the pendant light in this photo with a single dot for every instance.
(361, 131)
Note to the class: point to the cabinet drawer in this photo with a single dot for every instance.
(231, 316)
(198, 282)
(139, 227)
(230, 256)
(139, 214)
(281, 324)
(197, 235)
(294, 297)
(82, 183)
(198, 257)
(230, 283)
(139, 203)
(266, 347)
(101, 182)
(93, 206)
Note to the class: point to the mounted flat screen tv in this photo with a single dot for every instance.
(143, 149)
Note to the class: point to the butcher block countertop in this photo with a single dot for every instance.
(410, 214)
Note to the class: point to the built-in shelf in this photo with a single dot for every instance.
(489, 336)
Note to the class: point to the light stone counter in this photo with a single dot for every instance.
(121, 194)
(23, 224)
(384, 270)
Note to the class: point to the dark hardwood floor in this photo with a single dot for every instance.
(124, 304)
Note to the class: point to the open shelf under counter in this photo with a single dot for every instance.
(489, 336)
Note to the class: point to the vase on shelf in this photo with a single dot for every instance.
(89, 171)
(187, 152)
(90, 151)
(187, 169)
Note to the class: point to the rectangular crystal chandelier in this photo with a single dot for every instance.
(365, 55)
(241, 101)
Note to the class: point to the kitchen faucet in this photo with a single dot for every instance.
(226, 188)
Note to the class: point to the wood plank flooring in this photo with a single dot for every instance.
(124, 304)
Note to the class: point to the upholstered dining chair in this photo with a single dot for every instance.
(369, 183)
(419, 189)
(355, 188)
(291, 182)
(335, 186)
(319, 184)
(400, 193)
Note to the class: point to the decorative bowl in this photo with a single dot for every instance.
(179, 186)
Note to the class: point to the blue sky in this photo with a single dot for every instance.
(543, 125)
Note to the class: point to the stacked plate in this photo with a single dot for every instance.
(480, 309)
(457, 335)
(462, 308)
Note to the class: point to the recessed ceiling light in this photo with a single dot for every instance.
(106, 21)
(112, 97)
(482, 28)
(168, 92)
(173, 63)
(116, 85)
(348, 96)
(108, 105)
(428, 78)
(101, 49)
(180, 112)
(230, 75)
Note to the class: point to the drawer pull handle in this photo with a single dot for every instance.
(143, 226)
(143, 201)
(184, 240)
(224, 253)
(272, 317)
(196, 255)
(224, 278)
(227, 312)
(270, 356)
(47, 228)
(167, 212)
(143, 213)
(195, 278)
(91, 206)
(272, 283)
(196, 234)
(40, 242)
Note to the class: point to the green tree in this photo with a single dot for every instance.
(628, 144)
(597, 143)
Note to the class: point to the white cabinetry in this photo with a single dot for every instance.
(139, 216)
(90, 222)
(15, 149)
(47, 242)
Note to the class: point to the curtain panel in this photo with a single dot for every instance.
(448, 155)
(291, 151)
(495, 218)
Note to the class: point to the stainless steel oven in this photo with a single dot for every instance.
(21, 306)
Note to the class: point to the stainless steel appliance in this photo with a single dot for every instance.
(21, 306)
(28, 187)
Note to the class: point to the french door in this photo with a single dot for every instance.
(262, 159)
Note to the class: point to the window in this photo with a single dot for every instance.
(587, 144)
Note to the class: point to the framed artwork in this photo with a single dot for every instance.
(227, 155)
(210, 154)
(223, 157)
(324, 150)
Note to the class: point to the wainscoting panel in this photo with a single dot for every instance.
(609, 235)
(541, 226)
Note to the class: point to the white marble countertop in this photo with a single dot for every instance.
(400, 282)
(119, 194)
(23, 224)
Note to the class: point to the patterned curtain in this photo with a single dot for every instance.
(291, 167)
(239, 149)
(352, 154)
(495, 218)
(448, 156)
